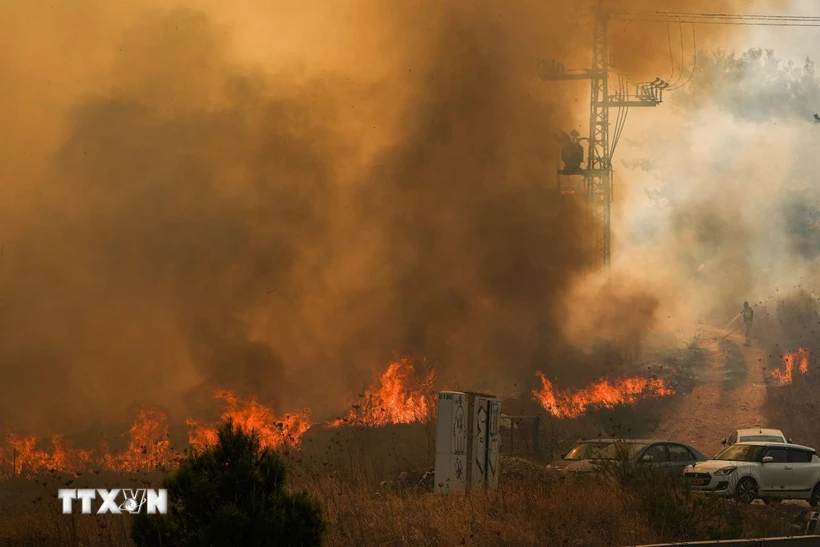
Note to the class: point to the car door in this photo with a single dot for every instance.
(775, 476)
(680, 457)
(660, 458)
(804, 472)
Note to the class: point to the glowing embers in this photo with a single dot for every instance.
(571, 403)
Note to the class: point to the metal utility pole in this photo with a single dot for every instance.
(598, 173)
(598, 176)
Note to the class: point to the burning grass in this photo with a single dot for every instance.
(797, 361)
(603, 393)
(148, 448)
(402, 395)
(793, 407)
(250, 415)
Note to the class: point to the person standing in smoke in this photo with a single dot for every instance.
(748, 317)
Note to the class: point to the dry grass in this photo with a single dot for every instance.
(793, 408)
(520, 512)
(372, 485)
(530, 507)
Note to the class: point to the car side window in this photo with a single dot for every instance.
(658, 453)
(799, 456)
(678, 453)
(733, 438)
(780, 455)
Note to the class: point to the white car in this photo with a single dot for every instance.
(752, 470)
(756, 434)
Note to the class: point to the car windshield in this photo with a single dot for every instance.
(761, 438)
(619, 450)
(585, 451)
(741, 453)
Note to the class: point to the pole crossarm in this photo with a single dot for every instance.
(550, 70)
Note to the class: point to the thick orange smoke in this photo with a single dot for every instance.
(400, 396)
(603, 394)
(799, 358)
(181, 216)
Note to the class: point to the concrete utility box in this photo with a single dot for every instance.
(468, 442)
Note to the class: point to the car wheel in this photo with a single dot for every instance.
(746, 490)
(815, 496)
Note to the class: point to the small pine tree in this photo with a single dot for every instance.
(232, 494)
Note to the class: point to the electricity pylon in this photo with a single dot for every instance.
(598, 173)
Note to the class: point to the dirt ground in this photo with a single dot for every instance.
(729, 394)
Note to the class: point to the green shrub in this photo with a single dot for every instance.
(232, 494)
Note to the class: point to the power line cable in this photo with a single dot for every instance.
(694, 63)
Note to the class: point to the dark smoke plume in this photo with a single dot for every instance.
(203, 224)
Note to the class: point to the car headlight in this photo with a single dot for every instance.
(725, 471)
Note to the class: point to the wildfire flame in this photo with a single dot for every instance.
(400, 396)
(800, 357)
(148, 448)
(603, 393)
(249, 415)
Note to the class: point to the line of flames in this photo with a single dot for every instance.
(401, 395)
(799, 358)
(602, 394)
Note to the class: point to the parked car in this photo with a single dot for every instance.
(584, 450)
(755, 434)
(664, 456)
(752, 470)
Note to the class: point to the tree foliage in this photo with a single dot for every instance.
(755, 86)
(232, 494)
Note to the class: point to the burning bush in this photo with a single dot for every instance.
(232, 494)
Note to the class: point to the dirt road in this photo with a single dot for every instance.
(729, 394)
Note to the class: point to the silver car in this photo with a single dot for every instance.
(760, 470)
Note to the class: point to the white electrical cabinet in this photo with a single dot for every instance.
(467, 441)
